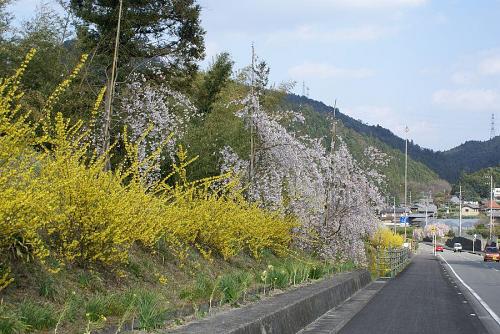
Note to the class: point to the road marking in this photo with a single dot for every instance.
(479, 299)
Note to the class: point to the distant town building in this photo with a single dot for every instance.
(431, 209)
(496, 194)
(455, 200)
(388, 213)
(470, 210)
(494, 207)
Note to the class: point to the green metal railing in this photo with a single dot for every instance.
(392, 261)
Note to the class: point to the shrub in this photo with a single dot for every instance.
(58, 201)
(385, 238)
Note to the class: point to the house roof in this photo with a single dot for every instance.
(391, 210)
(472, 206)
(489, 204)
(430, 208)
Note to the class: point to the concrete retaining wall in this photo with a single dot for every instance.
(285, 313)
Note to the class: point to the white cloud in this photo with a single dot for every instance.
(490, 65)
(325, 71)
(467, 99)
(475, 68)
(376, 4)
(311, 33)
(463, 77)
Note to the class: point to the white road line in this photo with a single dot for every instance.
(479, 299)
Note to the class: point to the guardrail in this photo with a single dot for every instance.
(391, 261)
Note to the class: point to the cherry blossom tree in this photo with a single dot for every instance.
(438, 229)
(153, 113)
(328, 191)
(418, 234)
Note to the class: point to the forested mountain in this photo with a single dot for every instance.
(467, 157)
(476, 186)
(317, 124)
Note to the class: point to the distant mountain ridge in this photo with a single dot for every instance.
(468, 157)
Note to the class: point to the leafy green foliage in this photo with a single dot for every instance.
(476, 186)
(214, 81)
(149, 29)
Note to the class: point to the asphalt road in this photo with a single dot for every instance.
(422, 299)
(482, 278)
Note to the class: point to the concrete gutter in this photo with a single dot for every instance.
(285, 313)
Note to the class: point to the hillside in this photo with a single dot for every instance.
(476, 186)
(420, 177)
(467, 157)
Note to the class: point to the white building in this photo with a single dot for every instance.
(496, 193)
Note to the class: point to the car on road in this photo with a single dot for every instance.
(439, 248)
(491, 254)
(457, 247)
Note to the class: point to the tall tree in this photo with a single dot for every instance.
(214, 81)
(167, 32)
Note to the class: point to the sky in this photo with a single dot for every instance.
(433, 65)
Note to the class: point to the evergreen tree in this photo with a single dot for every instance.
(167, 31)
(214, 81)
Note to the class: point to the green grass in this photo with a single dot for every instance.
(279, 278)
(201, 290)
(11, 322)
(76, 296)
(151, 310)
(234, 286)
(37, 316)
(46, 287)
(91, 281)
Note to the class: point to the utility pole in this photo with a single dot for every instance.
(491, 207)
(460, 213)
(394, 214)
(332, 148)
(406, 175)
(110, 93)
(426, 209)
(252, 144)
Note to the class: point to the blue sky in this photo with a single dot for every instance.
(431, 64)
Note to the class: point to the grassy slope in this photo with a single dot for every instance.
(151, 291)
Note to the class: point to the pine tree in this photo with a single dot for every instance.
(124, 35)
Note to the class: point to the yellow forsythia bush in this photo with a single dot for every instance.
(57, 199)
(385, 238)
(228, 226)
